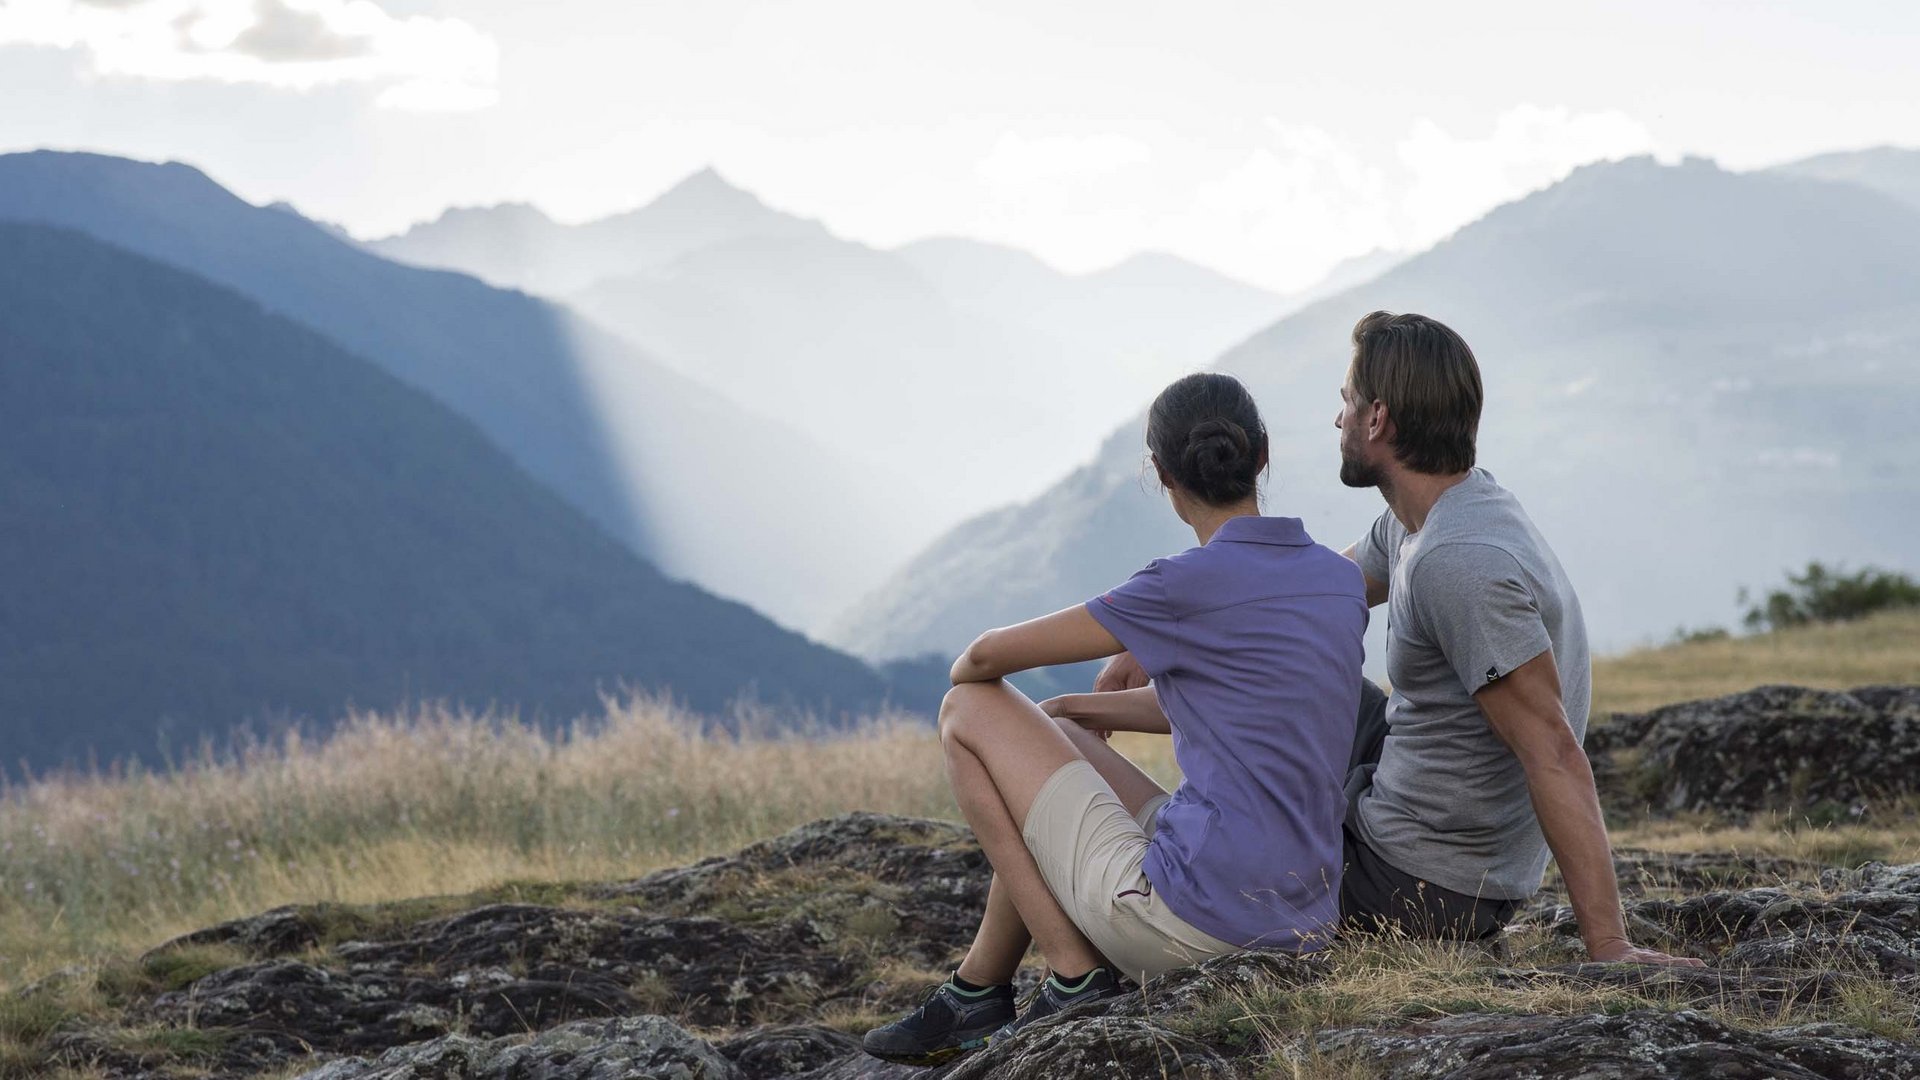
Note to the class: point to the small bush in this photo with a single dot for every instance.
(1830, 594)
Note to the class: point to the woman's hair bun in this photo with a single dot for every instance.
(1216, 449)
(1206, 433)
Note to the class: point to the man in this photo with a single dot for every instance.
(1464, 779)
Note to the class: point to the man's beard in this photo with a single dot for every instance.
(1356, 473)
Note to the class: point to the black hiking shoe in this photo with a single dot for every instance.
(1055, 995)
(948, 1023)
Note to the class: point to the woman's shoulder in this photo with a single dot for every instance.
(1336, 570)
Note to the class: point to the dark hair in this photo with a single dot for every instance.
(1430, 383)
(1206, 433)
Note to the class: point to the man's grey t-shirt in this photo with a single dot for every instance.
(1474, 594)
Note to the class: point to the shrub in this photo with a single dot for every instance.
(1823, 594)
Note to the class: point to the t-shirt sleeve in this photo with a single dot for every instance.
(1477, 606)
(1139, 613)
(1371, 551)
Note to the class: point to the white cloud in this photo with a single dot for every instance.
(1303, 199)
(418, 62)
(1455, 180)
(1293, 206)
(1016, 160)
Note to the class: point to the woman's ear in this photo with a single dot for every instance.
(1160, 472)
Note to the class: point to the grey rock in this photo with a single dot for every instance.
(533, 992)
(787, 1050)
(1769, 992)
(1872, 926)
(940, 872)
(629, 1048)
(1117, 1047)
(1779, 748)
(1645, 1044)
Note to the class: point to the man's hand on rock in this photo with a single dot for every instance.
(1621, 951)
(1122, 672)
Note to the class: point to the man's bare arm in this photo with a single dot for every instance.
(1376, 590)
(1524, 709)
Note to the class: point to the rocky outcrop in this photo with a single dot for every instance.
(640, 1046)
(765, 964)
(1644, 1044)
(1829, 754)
(1864, 920)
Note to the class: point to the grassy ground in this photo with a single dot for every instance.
(437, 803)
(1883, 648)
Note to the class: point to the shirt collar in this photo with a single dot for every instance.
(1248, 529)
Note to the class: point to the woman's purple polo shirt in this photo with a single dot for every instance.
(1254, 644)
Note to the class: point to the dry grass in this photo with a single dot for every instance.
(1381, 982)
(1893, 838)
(1882, 648)
(439, 803)
(435, 803)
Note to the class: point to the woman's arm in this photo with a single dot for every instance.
(1116, 710)
(1064, 637)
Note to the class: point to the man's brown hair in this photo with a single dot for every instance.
(1430, 383)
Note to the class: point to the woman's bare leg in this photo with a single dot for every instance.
(1001, 749)
(1134, 787)
(1002, 940)
(999, 944)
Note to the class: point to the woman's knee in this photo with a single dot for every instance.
(962, 701)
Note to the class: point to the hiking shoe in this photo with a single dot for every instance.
(1055, 995)
(948, 1023)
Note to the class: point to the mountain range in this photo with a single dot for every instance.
(1889, 170)
(739, 503)
(941, 366)
(255, 468)
(514, 245)
(209, 513)
(1695, 378)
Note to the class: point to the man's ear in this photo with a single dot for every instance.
(1379, 422)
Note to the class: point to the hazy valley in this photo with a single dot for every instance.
(1697, 379)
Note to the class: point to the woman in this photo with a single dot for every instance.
(1253, 642)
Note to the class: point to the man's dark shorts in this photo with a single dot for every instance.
(1377, 897)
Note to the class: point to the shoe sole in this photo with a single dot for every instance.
(931, 1057)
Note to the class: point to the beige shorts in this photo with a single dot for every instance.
(1090, 850)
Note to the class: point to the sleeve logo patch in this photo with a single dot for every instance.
(1493, 674)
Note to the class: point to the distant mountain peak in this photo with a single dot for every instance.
(1162, 269)
(705, 191)
(174, 178)
(506, 213)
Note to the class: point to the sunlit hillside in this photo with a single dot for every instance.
(438, 803)
(1882, 648)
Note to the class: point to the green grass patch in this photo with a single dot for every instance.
(171, 1045)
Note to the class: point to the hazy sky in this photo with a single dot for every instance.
(1265, 139)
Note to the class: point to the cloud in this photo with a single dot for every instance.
(1016, 161)
(281, 34)
(1455, 180)
(1294, 205)
(417, 62)
(1301, 199)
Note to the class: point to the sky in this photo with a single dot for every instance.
(1267, 140)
